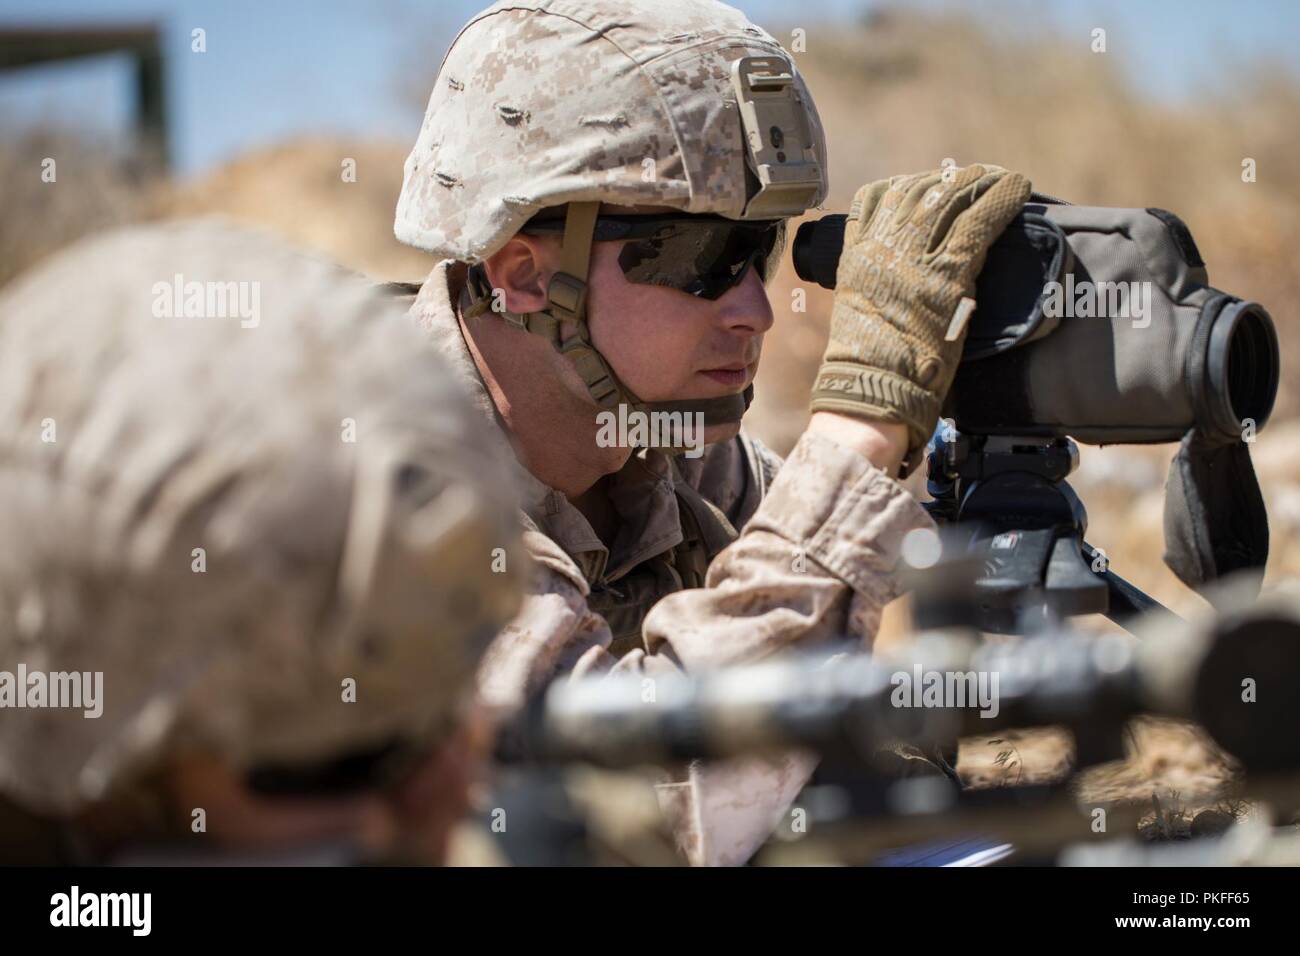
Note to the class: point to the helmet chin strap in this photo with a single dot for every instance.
(567, 298)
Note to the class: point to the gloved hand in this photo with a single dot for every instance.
(913, 246)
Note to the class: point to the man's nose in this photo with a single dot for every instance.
(744, 308)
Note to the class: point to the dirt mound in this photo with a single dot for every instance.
(299, 190)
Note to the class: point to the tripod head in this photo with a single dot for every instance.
(1005, 502)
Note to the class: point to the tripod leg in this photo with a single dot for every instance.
(1126, 599)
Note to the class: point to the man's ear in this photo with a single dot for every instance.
(522, 269)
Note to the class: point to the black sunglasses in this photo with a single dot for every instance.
(701, 255)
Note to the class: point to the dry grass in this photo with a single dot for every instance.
(295, 189)
(1170, 768)
(98, 184)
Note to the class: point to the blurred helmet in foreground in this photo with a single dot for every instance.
(236, 484)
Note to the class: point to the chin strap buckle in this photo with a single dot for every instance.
(568, 297)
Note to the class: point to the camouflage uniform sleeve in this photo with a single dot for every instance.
(814, 562)
(554, 633)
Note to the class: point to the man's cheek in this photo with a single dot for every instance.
(651, 367)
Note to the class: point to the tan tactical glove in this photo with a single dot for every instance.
(905, 288)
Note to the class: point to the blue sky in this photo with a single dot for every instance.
(277, 68)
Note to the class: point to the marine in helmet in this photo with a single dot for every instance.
(247, 568)
(605, 187)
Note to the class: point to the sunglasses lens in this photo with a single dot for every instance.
(704, 258)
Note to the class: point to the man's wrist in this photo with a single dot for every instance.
(882, 443)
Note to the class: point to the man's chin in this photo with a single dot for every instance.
(716, 433)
